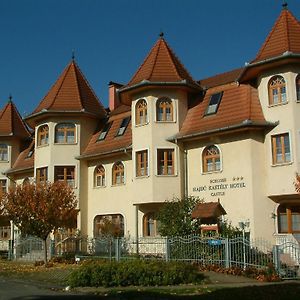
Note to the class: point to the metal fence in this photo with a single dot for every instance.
(234, 252)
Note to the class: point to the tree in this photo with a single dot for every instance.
(38, 209)
(297, 183)
(175, 217)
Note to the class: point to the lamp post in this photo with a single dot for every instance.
(243, 225)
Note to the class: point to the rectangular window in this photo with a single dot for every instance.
(104, 131)
(42, 175)
(281, 148)
(3, 183)
(142, 163)
(65, 174)
(214, 103)
(123, 126)
(165, 162)
(3, 152)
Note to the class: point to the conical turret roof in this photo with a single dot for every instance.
(71, 93)
(11, 123)
(283, 38)
(161, 65)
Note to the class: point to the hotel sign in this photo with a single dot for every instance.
(218, 187)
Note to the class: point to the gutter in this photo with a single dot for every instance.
(11, 171)
(87, 156)
(244, 123)
(287, 54)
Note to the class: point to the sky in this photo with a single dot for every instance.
(111, 38)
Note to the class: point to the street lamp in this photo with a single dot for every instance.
(243, 225)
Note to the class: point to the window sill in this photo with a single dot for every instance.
(141, 125)
(162, 122)
(4, 161)
(118, 185)
(41, 146)
(172, 175)
(65, 144)
(278, 104)
(99, 187)
(142, 176)
(282, 164)
(212, 172)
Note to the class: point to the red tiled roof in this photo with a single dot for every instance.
(284, 36)
(221, 79)
(111, 142)
(11, 123)
(238, 104)
(208, 210)
(24, 162)
(161, 65)
(71, 92)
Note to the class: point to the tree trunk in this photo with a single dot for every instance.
(45, 251)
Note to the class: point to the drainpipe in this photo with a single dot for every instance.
(185, 171)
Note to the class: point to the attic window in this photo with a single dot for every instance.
(214, 103)
(123, 126)
(104, 131)
(30, 153)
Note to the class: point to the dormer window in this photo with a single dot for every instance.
(164, 110)
(43, 135)
(65, 133)
(141, 116)
(30, 152)
(298, 87)
(104, 131)
(277, 90)
(214, 103)
(123, 126)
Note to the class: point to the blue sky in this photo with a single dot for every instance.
(111, 39)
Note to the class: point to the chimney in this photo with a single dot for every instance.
(114, 101)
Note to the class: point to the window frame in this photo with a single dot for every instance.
(205, 157)
(117, 219)
(274, 148)
(101, 175)
(4, 157)
(146, 228)
(104, 131)
(41, 178)
(165, 161)
(66, 179)
(214, 106)
(297, 83)
(41, 135)
(139, 155)
(3, 187)
(116, 171)
(139, 108)
(123, 126)
(164, 118)
(287, 211)
(65, 131)
(277, 87)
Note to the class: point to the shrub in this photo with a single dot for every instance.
(134, 273)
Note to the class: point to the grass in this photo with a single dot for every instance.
(59, 272)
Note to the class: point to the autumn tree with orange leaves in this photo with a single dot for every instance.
(38, 209)
(297, 183)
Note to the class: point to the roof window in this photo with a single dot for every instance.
(123, 126)
(214, 103)
(104, 131)
(30, 152)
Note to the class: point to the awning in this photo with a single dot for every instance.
(208, 210)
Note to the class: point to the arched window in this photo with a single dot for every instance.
(150, 224)
(43, 135)
(3, 152)
(211, 159)
(288, 218)
(277, 90)
(164, 110)
(118, 173)
(109, 225)
(65, 133)
(298, 87)
(141, 116)
(99, 176)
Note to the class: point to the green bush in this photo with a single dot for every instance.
(134, 273)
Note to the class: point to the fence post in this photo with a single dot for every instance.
(117, 249)
(167, 242)
(276, 259)
(227, 253)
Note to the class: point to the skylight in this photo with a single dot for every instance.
(214, 103)
(123, 126)
(104, 131)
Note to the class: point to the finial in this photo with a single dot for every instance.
(284, 4)
(73, 54)
(161, 35)
(10, 98)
